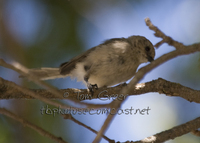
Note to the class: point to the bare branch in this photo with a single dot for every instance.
(70, 117)
(114, 104)
(172, 133)
(44, 99)
(166, 39)
(13, 86)
(160, 85)
(31, 125)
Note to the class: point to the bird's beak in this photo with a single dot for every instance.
(150, 59)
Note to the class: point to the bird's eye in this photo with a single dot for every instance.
(147, 48)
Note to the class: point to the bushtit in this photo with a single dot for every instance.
(112, 62)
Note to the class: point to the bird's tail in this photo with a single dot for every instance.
(46, 73)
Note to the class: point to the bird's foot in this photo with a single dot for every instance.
(91, 88)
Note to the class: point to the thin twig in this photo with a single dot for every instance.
(31, 125)
(70, 117)
(116, 105)
(166, 39)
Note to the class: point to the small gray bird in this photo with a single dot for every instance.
(110, 63)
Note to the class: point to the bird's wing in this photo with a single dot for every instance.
(66, 67)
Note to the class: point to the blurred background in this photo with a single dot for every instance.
(46, 33)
